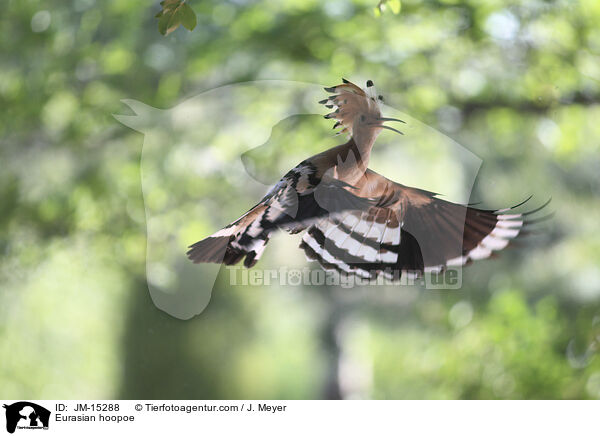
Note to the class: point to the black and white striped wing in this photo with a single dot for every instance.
(297, 201)
(357, 242)
(410, 238)
(301, 198)
(247, 237)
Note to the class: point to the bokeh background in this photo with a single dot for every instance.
(515, 82)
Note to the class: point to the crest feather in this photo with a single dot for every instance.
(348, 102)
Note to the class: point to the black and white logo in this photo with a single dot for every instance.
(26, 415)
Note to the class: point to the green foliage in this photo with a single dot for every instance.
(174, 14)
(394, 5)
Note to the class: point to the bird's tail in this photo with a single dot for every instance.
(243, 238)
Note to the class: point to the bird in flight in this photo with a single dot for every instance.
(356, 221)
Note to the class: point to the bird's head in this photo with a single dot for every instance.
(356, 110)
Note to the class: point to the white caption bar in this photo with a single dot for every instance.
(299, 417)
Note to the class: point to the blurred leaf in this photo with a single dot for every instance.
(163, 23)
(188, 17)
(395, 6)
(170, 4)
(174, 14)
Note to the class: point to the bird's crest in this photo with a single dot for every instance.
(350, 102)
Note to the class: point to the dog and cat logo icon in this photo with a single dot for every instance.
(26, 415)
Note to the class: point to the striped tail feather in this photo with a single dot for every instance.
(242, 239)
(210, 250)
(429, 238)
(225, 250)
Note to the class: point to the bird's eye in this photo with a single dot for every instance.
(363, 118)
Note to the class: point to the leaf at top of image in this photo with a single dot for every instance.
(188, 17)
(174, 14)
(394, 5)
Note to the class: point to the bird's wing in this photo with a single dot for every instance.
(297, 201)
(411, 231)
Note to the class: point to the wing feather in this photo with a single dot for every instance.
(410, 233)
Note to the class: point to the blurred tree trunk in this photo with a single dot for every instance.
(331, 345)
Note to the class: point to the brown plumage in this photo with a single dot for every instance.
(357, 221)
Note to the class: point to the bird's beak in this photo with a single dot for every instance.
(391, 119)
(379, 123)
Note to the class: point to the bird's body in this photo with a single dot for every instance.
(356, 220)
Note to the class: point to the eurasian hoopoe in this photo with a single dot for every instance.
(357, 221)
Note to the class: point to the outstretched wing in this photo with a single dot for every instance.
(410, 232)
(297, 201)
